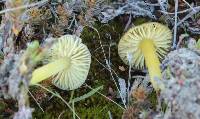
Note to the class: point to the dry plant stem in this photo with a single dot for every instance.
(59, 117)
(112, 77)
(35, 100)
(151, 60)
(175, 23)
(189, 5)
(189, 15)
(57, 95)
(115, 75)
(110, 115)
(195, 9)
(49, 70)
(129, 79)
(105, 67)
(163, 10)
(108, 66)
(25, 6)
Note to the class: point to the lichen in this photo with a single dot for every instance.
(181, 92)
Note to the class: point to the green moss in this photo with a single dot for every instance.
(3, 106)
(140, 20)
(153, 99)
(96, 107)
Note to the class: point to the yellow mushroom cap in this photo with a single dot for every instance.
(71, 48)
(130, 43)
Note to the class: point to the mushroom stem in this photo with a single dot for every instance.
(151, 60)
(49, 70)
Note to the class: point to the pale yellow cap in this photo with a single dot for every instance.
(128, 47)
(78, 57)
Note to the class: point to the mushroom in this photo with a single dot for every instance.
(145, 44)
(69, 62)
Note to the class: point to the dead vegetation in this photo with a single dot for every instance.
(112, 89)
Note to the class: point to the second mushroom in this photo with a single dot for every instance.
(145, 44)
(69, 62)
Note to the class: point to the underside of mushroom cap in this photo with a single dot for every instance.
(79, 58)
(129, 45)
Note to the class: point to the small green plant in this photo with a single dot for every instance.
(198, 44)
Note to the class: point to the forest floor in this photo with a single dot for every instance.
(112, 90)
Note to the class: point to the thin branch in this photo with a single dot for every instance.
(23, 7)
(175, 24)
(188, 16)
(189, 5)
(181, 12)
(35, 101)
(108, 65)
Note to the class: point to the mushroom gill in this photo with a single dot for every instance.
(69, 62)
(146, 43)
